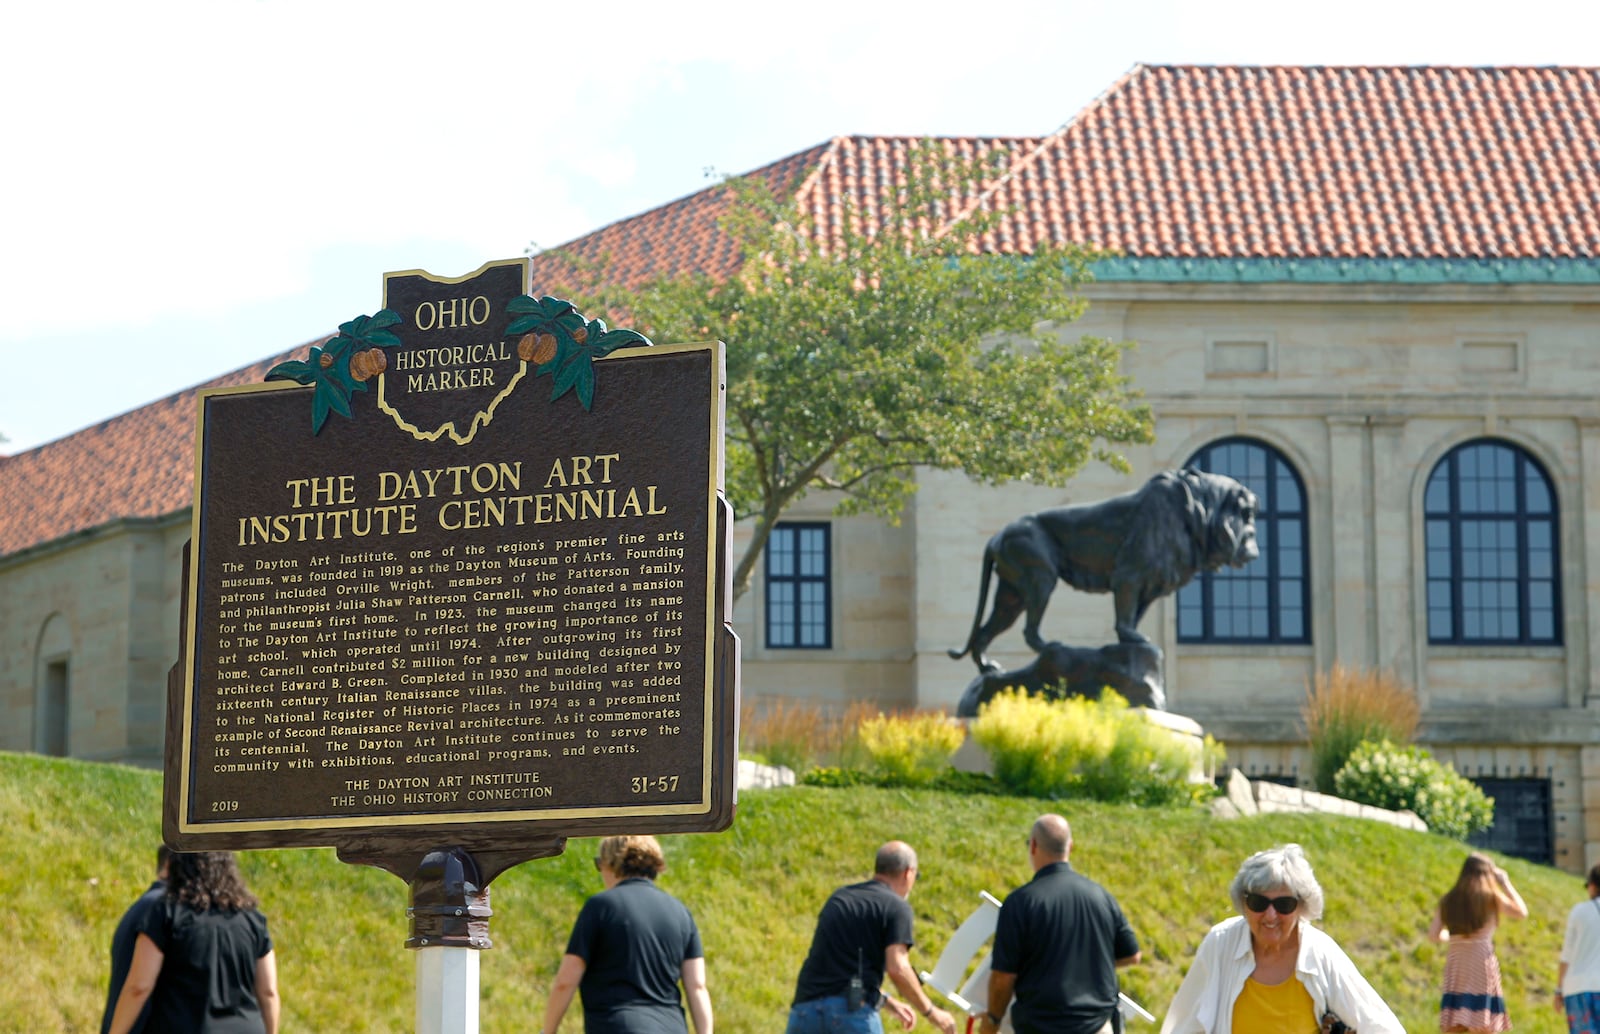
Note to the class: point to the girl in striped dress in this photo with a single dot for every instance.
(1467, 918)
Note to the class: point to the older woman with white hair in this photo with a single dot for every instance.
(1268, 970)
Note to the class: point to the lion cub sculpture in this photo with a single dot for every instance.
(1139, 547)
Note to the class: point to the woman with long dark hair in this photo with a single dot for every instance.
(1467, 917)
(204, 959)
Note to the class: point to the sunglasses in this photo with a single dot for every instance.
(1284, 905)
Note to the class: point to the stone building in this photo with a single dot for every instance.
(1370, 293)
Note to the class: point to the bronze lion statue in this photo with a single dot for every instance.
(1139, 547)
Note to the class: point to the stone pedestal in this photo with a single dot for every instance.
(1132, 669)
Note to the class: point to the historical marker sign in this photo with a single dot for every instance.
(463, 575)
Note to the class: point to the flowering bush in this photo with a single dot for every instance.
(1101, 749)
(1386, 776)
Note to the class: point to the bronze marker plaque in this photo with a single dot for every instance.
(478, 594)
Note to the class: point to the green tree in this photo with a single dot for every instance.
(898, 340)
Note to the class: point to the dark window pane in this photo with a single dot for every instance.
(1498, 572)
(1538, 493)
(1288, 500)
(780, 614)
(798, 586)
(1437, 499)
(1267, 600)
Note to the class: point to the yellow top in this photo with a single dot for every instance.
(1284, 1008)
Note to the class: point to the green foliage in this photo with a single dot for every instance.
(1345, 707)
(898, 341)
(948, 780)
(754, 890)
(1074, 747)
(836, 777)
(1386, 776)
(910, 749)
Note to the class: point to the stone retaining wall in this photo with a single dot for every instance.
(1247, 797)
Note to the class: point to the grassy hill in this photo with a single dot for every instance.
(81, 843)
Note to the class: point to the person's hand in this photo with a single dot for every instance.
(1561, 1003)
(902, 1011)
(943, 1020)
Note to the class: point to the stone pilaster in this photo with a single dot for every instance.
(1583, 650)
(1350, 525)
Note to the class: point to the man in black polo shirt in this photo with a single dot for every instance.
(1057, 945)
(863, 933)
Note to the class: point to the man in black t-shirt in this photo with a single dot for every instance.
(1057, 945)
(863, 934)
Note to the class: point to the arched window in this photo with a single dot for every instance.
(1493, 572)
(1268, 600)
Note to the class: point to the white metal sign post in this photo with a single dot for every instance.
(447, 991)
(449, 916)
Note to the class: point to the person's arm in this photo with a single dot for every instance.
(566, 985)
(899, 1010)
(1349, 994)
(693, 975)
(1510, 901)
(897, 964)
(1183, 1014)
(1436, 929)
(142, 974)
(1001, 986)
(1130, 960)
(267, 991)
(1561, 981)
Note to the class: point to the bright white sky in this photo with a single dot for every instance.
(189, 186)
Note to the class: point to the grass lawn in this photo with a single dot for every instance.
(82, 839)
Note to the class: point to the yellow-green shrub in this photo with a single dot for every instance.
(910, 749)
(1100, 749)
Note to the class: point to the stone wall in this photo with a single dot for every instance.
(1256, 797)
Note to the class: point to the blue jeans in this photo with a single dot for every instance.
(829, 1016)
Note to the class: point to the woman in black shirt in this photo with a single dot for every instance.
(204, 958)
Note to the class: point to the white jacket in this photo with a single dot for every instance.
(1204, 1002)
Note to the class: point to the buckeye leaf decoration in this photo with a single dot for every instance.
(578, 343)
(327, 369)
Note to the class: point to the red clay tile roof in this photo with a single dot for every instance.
(139, 464)
(1348, 162)
(678, 236)
(685, 235)
(1173, 161)
(1185, 161)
